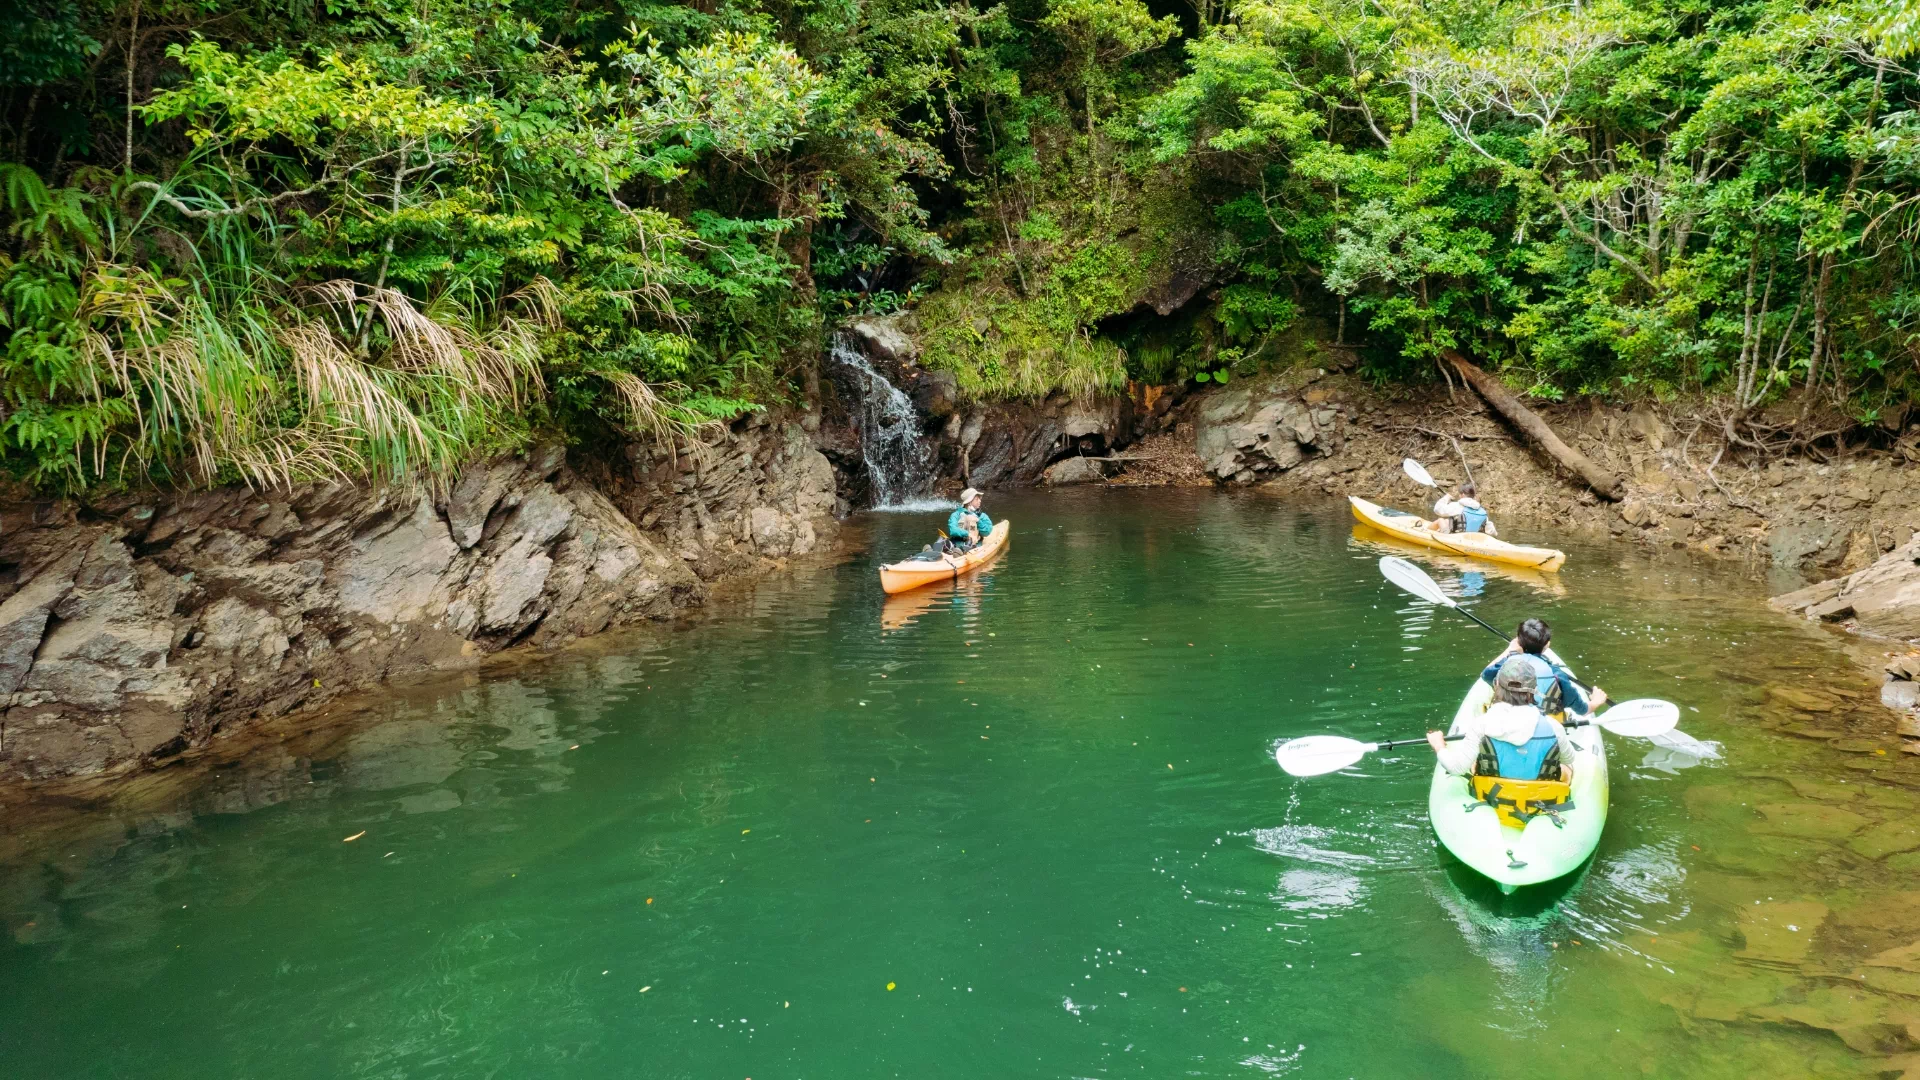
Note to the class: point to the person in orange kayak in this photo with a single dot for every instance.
(965, 527)
(968, 523)
(1462, 512)
(1512, 738)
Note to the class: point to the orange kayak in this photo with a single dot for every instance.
(901, 576)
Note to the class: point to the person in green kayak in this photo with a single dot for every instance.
(1555, 690)
(1462, 512)
(1512, 738)
(968, 523)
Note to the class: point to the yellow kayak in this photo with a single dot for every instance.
(1372, 539)
(1405, 526)
(901, 576)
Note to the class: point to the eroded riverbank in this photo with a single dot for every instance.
(969, 796)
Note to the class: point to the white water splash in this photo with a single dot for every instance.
(916, 506)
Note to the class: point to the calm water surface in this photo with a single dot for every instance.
(1031, 827)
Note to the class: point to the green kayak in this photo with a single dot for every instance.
(1493, 840)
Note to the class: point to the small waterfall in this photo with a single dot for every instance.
(899, 464)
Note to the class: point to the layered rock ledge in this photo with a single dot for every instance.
(133, 630)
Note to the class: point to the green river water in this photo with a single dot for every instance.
(1031, 827)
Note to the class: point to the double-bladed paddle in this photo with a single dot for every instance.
(1316, 755)
(1416, 582)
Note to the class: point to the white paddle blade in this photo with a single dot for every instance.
(1417, 473)
(1641, 718)
(1680, 742)
(1317, 755)
(1414, 580)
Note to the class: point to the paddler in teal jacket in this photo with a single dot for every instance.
(968, 523)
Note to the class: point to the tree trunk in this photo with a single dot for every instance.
(1603, 483)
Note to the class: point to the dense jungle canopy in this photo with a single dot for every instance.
(269, 240)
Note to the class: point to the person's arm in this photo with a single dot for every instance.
(1457, 757)
(1446, 507)
(1494, 668)
(986, 523)
(1570, 695)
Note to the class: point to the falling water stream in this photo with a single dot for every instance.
(1028, 825)
(899, 464)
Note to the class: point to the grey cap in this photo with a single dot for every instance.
(1516, 676)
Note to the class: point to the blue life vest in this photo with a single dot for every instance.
(1473, 518)
(1546, 685)
(1524, 762)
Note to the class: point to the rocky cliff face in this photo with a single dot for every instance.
(1001, 443)
(131, 631)
(1882, 600)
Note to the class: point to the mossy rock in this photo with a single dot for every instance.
(1815, 821)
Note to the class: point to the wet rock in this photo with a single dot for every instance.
(886, 337)
(1813, 701)
(1886, 839)
(1779, 933)
(1075, 470)
(1639, 513)
(1902, 694)
(1882, 599)
(1865, 1021)
(935, 393)
(1815, 821)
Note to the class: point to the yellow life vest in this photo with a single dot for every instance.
(1520, 801)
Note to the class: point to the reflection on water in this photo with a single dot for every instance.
(1041, 804)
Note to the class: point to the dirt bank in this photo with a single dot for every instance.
(1320, 430)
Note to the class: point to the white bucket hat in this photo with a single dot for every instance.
(969, 495)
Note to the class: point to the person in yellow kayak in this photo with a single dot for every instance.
(1513, 738)
(1555, 691)
(968, 523)
(1461, 512)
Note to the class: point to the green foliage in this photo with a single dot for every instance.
(379, 237)
(385, 242)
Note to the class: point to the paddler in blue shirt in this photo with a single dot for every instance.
(968, 523)
(1556, 692)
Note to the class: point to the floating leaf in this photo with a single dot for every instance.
(889, 986)
(354, 837)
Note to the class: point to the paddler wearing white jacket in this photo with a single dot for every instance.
(1517, 734)
(1462, 512)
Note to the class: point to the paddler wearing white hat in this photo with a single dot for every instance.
(968, 523)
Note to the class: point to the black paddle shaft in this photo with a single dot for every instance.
(1502, 635)
(1392, 744)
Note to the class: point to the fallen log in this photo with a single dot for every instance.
(1603, 483)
